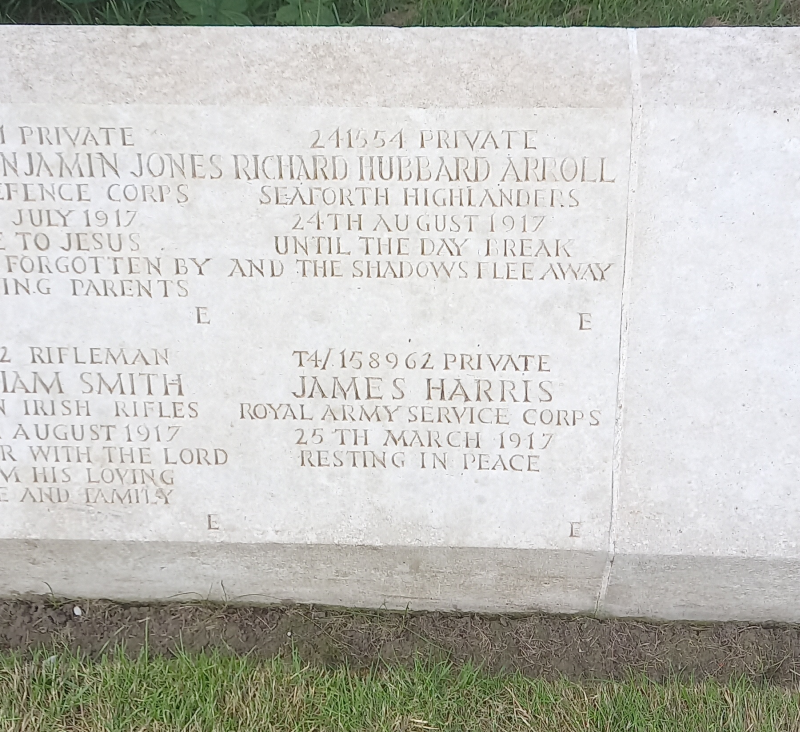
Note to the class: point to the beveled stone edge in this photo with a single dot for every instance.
(475, 579)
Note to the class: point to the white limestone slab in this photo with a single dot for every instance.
(292, 311)
(708, 523)
(661, 307)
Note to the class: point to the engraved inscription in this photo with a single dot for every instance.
(345, 325)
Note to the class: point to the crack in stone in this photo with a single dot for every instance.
(630, 222)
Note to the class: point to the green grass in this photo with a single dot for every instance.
(428, 12)
(62, 692)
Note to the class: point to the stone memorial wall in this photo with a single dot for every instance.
(491, 320)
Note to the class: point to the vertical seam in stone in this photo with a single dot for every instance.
(630, 221)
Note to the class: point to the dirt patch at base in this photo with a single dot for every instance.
(580, 648)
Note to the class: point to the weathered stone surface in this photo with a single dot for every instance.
(708, 523)
(351, 319)
(489, 319)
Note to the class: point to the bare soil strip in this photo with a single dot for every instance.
(578, 648)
